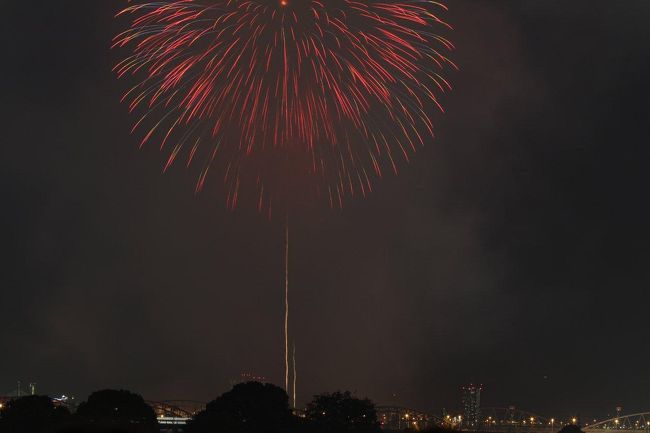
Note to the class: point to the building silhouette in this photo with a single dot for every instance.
(471, 401)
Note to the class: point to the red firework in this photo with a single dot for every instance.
(286, 98)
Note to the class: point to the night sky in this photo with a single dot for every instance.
(511, 252)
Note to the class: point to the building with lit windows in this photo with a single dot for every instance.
(471, 401)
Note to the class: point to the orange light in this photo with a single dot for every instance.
(284, 2)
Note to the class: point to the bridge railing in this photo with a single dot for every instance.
(176, 408)
(636, 422)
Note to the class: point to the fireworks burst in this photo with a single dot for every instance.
(284, 98)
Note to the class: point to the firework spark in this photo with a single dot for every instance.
(284, 98)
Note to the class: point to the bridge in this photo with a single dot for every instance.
(176, 408)
(173, 415)
(634, 423)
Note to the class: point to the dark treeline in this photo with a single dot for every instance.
(248, 408)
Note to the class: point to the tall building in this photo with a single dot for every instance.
(471, 400)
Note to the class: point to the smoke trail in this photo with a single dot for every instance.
(295, 376)
(286, 307)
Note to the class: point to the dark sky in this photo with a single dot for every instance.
(512, 252)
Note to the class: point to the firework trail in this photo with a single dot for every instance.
(295, 375)
(286, 307)
(285, 100)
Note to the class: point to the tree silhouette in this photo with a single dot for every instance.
(440, 429)
(341, 412)
(250, 407)
(570, 428)
(33, 414)
(116, 411)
